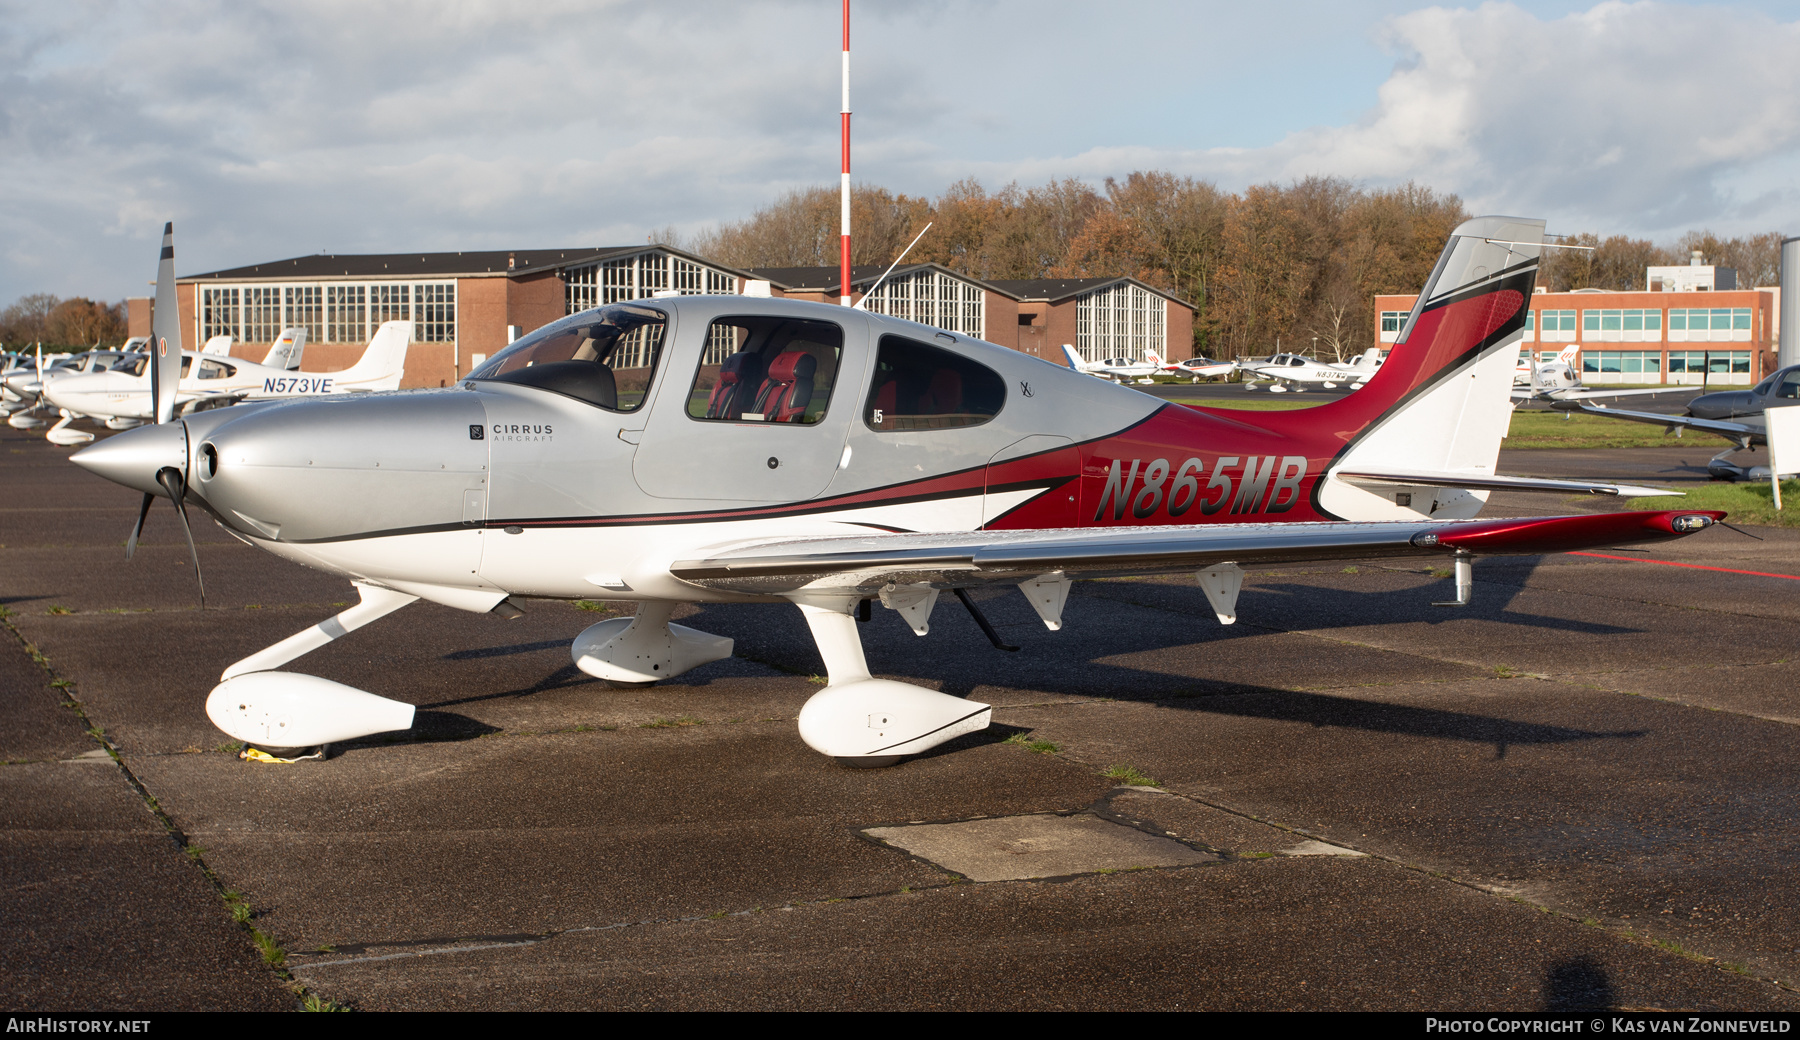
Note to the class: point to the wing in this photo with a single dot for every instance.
(1584, 394)
(200, 400)
(867, 563)
(1743, 433)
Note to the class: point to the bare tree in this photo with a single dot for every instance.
(28, 319)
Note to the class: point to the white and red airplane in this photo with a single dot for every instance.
(1118, 369)
(1197, 368)
(729, 449)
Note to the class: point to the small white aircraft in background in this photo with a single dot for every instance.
(122, 395)
(1560, 380)
(1117, 369)
(1292, 371)
(1198, 368)
(23, 387)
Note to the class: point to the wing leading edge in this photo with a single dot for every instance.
(869, 563)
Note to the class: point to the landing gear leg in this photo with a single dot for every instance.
(866, 722)
(1720, 467)
(61, 434)
(289, 710)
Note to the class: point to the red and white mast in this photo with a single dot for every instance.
(844, 215)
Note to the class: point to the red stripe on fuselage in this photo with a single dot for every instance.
(1198, 465)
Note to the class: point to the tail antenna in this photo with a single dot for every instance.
(862, 303)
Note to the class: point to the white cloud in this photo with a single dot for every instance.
(1644, 118)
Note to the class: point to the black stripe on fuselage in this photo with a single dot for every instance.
(836, 504)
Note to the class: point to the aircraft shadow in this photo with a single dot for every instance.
(508, 651)
(566, 676)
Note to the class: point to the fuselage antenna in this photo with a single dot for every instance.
(859, 303)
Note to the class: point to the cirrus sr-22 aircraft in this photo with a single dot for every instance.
(1294, 372)
(726, 449)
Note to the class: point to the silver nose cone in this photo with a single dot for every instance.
(133, 458)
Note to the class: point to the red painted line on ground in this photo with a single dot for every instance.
(1695, 566)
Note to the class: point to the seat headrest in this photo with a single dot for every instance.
(792, 365)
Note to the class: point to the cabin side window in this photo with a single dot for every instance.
(766, 369)
(921, 387)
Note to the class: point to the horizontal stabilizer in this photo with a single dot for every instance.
(1490, 482)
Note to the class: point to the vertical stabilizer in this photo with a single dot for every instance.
(383, 363)
(1441, 401)
(287, 348)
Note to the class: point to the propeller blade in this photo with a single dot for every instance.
(138, 528)
(170, 478)
(165, 334)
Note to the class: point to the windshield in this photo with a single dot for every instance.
(606, 357)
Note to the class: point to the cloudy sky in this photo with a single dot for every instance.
(267, 130)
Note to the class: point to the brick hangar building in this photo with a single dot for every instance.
(466, 306)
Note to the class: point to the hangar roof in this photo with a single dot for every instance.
(464, 264)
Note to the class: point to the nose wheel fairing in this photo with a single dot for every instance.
(645, 648)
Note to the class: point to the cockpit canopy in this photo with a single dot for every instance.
(605, 357)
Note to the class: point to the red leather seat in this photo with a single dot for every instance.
(944, 395)
(739, 378)
(788, 389)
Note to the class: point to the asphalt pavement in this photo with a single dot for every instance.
(1578, 792)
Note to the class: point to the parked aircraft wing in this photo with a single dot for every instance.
(204, 399)
(1490, 482)
(1585, 394)
(1733, 431)
(871, 562)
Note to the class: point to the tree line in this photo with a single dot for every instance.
(1294, 267)
(61, 325)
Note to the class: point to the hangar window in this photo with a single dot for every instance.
(346, 313)
(932, 297)
(1125, 321)
(434, 312)
(606, 357)
(1555, 325)
(1643, 366)
(775, 370)
(219, 313)
(1715, 362)
(389, 303)
(262, 313)
(306, 308)
(921, 387)
(640, 277)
